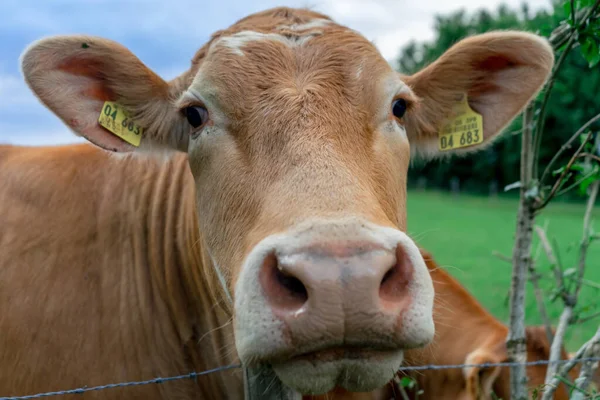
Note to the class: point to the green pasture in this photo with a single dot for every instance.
(463, 231)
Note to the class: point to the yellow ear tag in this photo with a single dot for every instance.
(463, 129)
(114, 118)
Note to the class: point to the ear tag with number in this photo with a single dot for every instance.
(463, 128)
(116, 119)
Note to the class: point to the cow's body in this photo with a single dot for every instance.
(299, 136)
(99, 278)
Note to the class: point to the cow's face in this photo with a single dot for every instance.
(299, 136)
(538, 349)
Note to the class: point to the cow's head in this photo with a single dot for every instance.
(482, 382)
(299, 136)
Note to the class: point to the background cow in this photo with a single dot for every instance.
(299, 136)
(466, 333)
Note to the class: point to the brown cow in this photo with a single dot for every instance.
(465, 334)
(299, 136)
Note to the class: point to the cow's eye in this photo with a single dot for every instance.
(399, 108)
(197, 116)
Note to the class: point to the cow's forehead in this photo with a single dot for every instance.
(287, 48)
(291, 52)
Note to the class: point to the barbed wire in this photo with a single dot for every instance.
(84, 389)
(490, 365)
(193, 375)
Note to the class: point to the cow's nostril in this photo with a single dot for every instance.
(392, 288)
(282, 289)
(293, 285)
(388, 275)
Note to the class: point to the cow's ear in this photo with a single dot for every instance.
(496, 74)
(538, 346)
(81, 78)
(480, 380)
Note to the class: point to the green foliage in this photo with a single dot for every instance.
(407, 382)
(585, 170)
(589, 33)
(572, 102)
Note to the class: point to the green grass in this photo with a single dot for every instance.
(462, 232)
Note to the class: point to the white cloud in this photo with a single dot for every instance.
(392, 24)
(172, 71)
(14, 92)
(38, 137)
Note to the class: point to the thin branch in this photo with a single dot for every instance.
(534, 278)
(567, 145)
(587, 282)
(574, 184)
(588, 367)
(537, 134)
(585, 240)
(591, 156)
(521, 258)
(588, 318)
(570, 300)
(518, 131)
(501, 256)
(557, 343)
(564, 370)
(540, 246)
(546, 245)
(558, 182)
(554, 263)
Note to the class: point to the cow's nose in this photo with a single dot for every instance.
(339, 285)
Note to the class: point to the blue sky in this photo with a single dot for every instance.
(165, 34)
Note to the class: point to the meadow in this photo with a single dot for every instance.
(463, 231)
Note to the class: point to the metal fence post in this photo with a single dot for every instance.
(261, 383)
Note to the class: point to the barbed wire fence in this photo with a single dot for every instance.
(193, 375)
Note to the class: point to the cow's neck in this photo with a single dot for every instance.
(458, 319)
(177, 306)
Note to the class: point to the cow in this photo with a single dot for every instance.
(298, 135)
(466, 333)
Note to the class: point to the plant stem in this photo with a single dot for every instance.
(588, 367)
(567, 145)
(573, 35)
(570, 300)
(516, 342)
(558, 182)
(557, 343)
(538, 132)
(564, 370)
(585, 240)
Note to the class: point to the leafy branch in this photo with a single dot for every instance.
(582, 27)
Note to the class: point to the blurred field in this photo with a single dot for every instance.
(461, 232)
